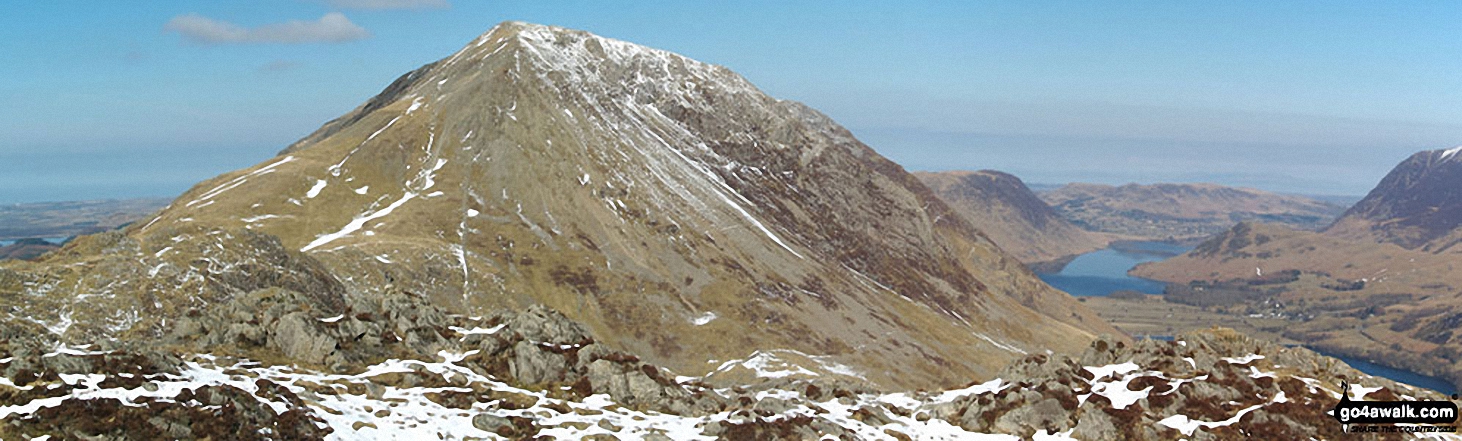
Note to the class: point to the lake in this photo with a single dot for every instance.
(1408, 377)
(54, 240)
(1104, 271)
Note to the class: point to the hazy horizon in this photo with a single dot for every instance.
(121, 100)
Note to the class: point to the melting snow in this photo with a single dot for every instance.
(1451, 152)
(1243, 360)
(766, 365)
(315, 191)
(1118, 393)
(235, 182)
(253, 219)
(1099, 372)
(703, 318)
(1001, 345)
(992, 386)
(1183, 424)
(482, 331)
(358, 222)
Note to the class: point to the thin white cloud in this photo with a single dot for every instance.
(389, 4)
(332, 28)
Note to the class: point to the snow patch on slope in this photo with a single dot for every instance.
(1451, 152)
(358, 222)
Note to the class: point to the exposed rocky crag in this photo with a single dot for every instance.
(1182, 211)
(1017, 220)
(535, 373)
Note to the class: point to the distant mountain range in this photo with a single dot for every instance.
(71, 218)
(1382, 282)
(1182, 211)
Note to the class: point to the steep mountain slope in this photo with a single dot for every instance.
(1418, 205)
(1384, 282)
(1182, 211)
(1001, 206)
(667, 204)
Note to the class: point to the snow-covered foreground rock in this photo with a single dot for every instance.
(518, 375)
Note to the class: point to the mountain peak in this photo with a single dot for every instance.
(664, 202)
(1418, 205)
(1448, 153)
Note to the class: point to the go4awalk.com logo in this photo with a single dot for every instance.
(1395, 416)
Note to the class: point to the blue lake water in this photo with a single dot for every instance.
(1408, 377)
(1104, 271)
(55, 240)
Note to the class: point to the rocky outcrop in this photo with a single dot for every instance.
(1207, 385)
(274, 364)
(277, 323)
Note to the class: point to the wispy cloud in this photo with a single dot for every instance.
(332, 28)
(390, 4)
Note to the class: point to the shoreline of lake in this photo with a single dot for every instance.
(1103, 272)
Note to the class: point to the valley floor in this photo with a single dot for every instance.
(1150, 315)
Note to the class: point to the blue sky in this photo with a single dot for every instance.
(124, 99)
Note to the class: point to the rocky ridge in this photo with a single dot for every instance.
(535, 373)
(1017, 220)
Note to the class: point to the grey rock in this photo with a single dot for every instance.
(298, 336)
(533, 365)
(541, 324)
(490, 422)
(1026, 420)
